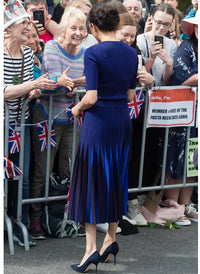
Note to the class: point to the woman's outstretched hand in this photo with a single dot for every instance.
(44, 83)
(65, 81)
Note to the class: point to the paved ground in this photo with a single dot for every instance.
(152, 251)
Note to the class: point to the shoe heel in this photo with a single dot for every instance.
(110, 250)
(93, 259)
(115, 259)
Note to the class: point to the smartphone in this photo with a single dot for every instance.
(39, 16)
(152, 6)
(159, 38)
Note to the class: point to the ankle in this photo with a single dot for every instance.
(90, 251)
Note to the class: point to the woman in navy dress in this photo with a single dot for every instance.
(99, 188)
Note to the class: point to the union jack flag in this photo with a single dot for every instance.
(14, 139)
(136, 104)
(69, 112)
(79, 121)
(10, 169)
(43, 135)
(71, 117)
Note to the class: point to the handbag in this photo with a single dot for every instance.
(53, 219)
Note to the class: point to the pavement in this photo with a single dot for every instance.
(151, 251)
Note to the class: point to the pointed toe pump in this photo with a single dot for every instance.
(110, 250)
(93, 259)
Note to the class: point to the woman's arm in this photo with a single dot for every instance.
(88, 100)
(154, 51)
(15, 91)
(167, 71)
(131, 94)
(192, 81)
(79, 81)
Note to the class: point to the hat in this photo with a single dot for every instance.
(187, 25)
(14, 12)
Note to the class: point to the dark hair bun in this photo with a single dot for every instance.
(104, 16)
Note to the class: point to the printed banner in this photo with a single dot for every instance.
(192, 146)
(171, 107)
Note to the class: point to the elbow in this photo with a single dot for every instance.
(92, 101)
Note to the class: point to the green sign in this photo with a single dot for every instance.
(193, 145)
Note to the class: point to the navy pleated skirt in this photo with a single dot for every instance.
(99, 187)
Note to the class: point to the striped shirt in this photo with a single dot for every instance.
(55, 61)
(12, 67)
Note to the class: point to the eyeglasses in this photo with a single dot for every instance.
(165, 25)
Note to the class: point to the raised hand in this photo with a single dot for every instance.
(155, 49)
(65, 81)
(44, 83)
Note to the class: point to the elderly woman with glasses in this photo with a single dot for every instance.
(159, 58)
(19, 84)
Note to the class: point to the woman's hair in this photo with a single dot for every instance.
(165, 8)
(78, 4)
(178, 18)
(104, 16)
(72, 14)
(127, 19)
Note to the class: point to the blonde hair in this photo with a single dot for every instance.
(78, 4)
(71, 14)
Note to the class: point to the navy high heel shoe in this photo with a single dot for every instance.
(93, 259)
(110, 250)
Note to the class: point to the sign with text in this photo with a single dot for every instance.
(192, 146)
(171, 107)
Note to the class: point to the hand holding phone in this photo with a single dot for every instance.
(39, 16)
(159, 38)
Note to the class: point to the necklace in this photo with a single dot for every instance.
(16, 80)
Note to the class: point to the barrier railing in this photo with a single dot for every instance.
(46, 197)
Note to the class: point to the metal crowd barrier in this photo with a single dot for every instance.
(46, 197)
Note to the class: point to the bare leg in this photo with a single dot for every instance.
(174, 192)
(110, 236)
(91, 245)
(186, 193)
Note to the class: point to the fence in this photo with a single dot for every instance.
(46, 197)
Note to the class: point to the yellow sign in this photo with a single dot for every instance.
(192, 146)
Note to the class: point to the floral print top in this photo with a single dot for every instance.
(185, 63)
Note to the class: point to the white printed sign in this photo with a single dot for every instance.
(171, 107)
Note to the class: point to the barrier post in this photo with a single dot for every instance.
(6, 218)
(20, 182)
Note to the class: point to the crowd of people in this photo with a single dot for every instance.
(109, 49)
